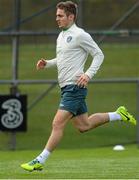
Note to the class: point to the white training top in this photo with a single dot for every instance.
(73, 47)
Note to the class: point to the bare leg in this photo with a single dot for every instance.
(59, 122)
(98, 119)
(84, 123)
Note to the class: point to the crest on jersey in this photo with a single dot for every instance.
(69, 38)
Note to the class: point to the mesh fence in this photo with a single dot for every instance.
(121, 61)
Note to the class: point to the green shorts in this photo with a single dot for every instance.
(73, 99)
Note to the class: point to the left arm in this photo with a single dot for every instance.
(89, 45)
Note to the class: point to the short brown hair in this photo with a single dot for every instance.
(69, 7)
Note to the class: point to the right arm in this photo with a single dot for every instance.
(42, 63)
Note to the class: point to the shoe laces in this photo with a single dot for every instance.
(33, 162)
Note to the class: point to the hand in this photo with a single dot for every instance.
(41, 64)
(83, 80)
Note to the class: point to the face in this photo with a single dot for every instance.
(63, 20)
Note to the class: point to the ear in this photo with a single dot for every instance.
(71, 17)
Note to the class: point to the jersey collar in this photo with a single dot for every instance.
(65, 29)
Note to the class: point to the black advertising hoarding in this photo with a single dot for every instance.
(13, 113)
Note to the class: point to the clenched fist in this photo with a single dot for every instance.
(41, 64)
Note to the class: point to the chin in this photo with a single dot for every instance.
(60, 26)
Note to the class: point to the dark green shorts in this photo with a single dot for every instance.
(73, 99)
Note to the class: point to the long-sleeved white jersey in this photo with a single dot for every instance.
(73, 47)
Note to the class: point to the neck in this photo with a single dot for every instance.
(66, 28)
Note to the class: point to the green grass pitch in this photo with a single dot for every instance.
(96, 163)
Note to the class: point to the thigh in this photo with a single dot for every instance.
(62, 117)
(81, 120)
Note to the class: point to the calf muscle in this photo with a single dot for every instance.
(84, 123)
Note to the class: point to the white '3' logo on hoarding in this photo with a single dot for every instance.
(13, 117)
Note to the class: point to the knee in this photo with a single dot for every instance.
(82, 129)
(56, 125)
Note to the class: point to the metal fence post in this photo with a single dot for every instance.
(138, 113)
(80, 13)
(14, 89)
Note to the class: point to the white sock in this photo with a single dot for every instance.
(114, 116)
(43, 156)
